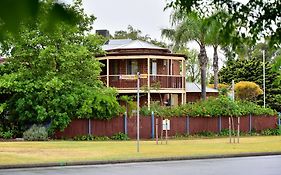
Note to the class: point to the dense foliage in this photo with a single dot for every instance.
(50, 78)
(255, 18)
(252, 70)
(212, 107)
(14, 13)
(118, 136)
(136, 34)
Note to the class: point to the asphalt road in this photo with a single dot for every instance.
(266, 165)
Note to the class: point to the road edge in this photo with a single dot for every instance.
(41, 165)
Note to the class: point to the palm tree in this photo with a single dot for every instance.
(190, 27)
(214, 38)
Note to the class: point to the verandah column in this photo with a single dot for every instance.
(148, 82)
(107, 72)
(184, 80)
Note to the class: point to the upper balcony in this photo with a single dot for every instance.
(164, 70)
(153, 82)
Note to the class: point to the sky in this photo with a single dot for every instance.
(147, 15)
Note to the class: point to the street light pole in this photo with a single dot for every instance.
(263, 56)
(138, 112)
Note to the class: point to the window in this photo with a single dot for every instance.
(154, 67)
(132, 67)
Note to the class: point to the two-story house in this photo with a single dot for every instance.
(162, 72)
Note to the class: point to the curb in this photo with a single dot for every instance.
(42, 165)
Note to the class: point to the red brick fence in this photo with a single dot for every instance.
(178, 125)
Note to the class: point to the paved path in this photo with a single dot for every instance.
(266, 165)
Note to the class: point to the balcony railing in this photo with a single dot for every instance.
(156, 82)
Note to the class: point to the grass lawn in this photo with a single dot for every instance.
(69, 151)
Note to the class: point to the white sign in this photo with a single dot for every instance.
(166, 124)
(132, 77)
(128, 77)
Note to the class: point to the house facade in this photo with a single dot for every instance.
(162, 72)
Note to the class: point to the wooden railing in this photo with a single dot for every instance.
(156, 82)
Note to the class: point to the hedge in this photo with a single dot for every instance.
(212, 107)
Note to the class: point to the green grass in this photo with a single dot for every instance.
(71, 151)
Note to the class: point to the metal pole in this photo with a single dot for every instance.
(229, 128)
(279, 120)
(233, 129)
(238, 129)
(138, 112)
(152, 125)
(156, 131)
(219, 124)
(187, 125)
(263, 53)
(89, 127)
(166, 135)
(250, 123)
(125, 123)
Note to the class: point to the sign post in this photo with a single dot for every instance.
(138, 112)
(136, 77)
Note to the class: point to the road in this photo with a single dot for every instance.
(266, 165)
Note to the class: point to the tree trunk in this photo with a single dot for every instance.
(216, 67)
(203, 59)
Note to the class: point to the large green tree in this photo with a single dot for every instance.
(136, 34)
(14, 13)
(252, 70)
(52, 77)
(256, 17)
(216, 39)
(188, 28)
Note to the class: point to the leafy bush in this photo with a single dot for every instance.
(246, 90)
(36, 133)
(91, 138)
(120, 136)
(6, 134)
(212, 107)
(271, 132)
(181, 136)
(102, 138)
(206, 134)
(224, 132)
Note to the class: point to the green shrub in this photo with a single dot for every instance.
(212, 107)
(271, 132)
(91, 138)
(6, 134)
(206, 134)
(181, 136)
(36, 133)
(224, 132)
(120, 136)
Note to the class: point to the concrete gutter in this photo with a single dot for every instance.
(37, 165)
